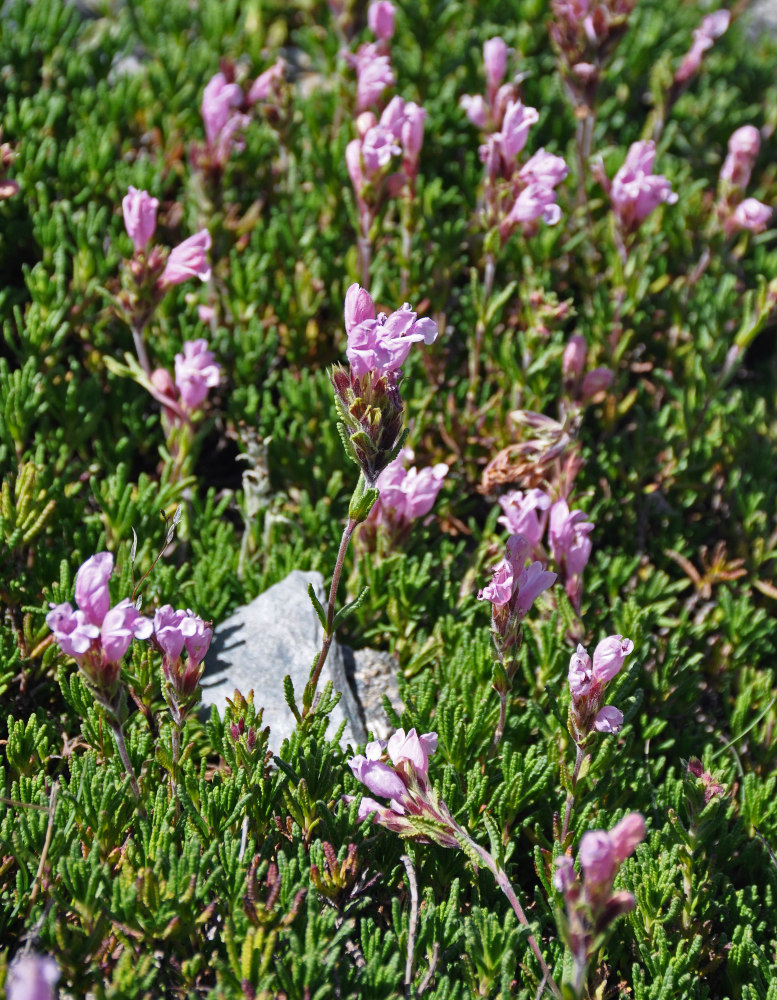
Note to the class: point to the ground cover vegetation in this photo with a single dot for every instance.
(471, 307)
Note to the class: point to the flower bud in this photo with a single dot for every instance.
(574, 358)
(380, 19)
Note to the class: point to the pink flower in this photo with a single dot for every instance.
(580, 673)
(532, 581)
(495, 53)
(608, 720)
(568, 536)
(712, 27)
(512, 586)
(743, 149)
(196, 371)
(175, 631)
(575, 354)
(609, 656)
(517, 121)
(406, 494)
(219, 99)
(120, 625)
(381, 345)
(262, 86)
(597, 858)
(635, 191)
(412, 135)
(72, 630)
(31, 977)
(625, 836)
(373, 74)
(533, 203)
(380, 19)
(378, 148)
(413, 748)
(525, 514)
(475, 109)
(751, 214)
(358, 307)
(92, 591)
(139, 210)
(379, 778)
(544, 168)
(187, 260)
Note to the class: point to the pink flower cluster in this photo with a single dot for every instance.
(223, 112)
(529, 513)
(749, 213)
(587, 682)
(371, 60)
(711, 28)
(406, 494)
(174, 633)
(196, 371)
(372, 159)
(516, 195)
(514, 588)
(187, 260)
(635, 191)
(380, 344)
(398, 770)
(96, 635)
(592, 905)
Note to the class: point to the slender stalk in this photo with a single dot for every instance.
(310, 688)
(140, 346)
(121, 746)
(505, 885)
(571, 794)
(365, 259)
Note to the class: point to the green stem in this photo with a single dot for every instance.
(505, 885)
(310, 687)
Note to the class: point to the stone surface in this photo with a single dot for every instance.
(374, 674)
(277, 634)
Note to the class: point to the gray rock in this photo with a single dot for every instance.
(374, 675)
(277, 634)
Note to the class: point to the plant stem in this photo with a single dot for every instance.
(121, 746)
(310, 687)
(571, 794)
(504, 884)
(140, 346)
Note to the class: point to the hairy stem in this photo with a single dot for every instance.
(310, 688)
(140, 346)
(505, 885)
(571, 793)
(121, 746)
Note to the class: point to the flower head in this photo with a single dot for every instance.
(381, 345)
(750, 214)
(743, 149)
(635, 191)
(380, 19)
(219, 101)
(525, 514)
(406, 494)
(31, 977)
(139, 210)
(196, 371)
(188, 260)
(263, 85)
(176, 631)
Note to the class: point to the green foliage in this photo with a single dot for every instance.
(243, 873)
